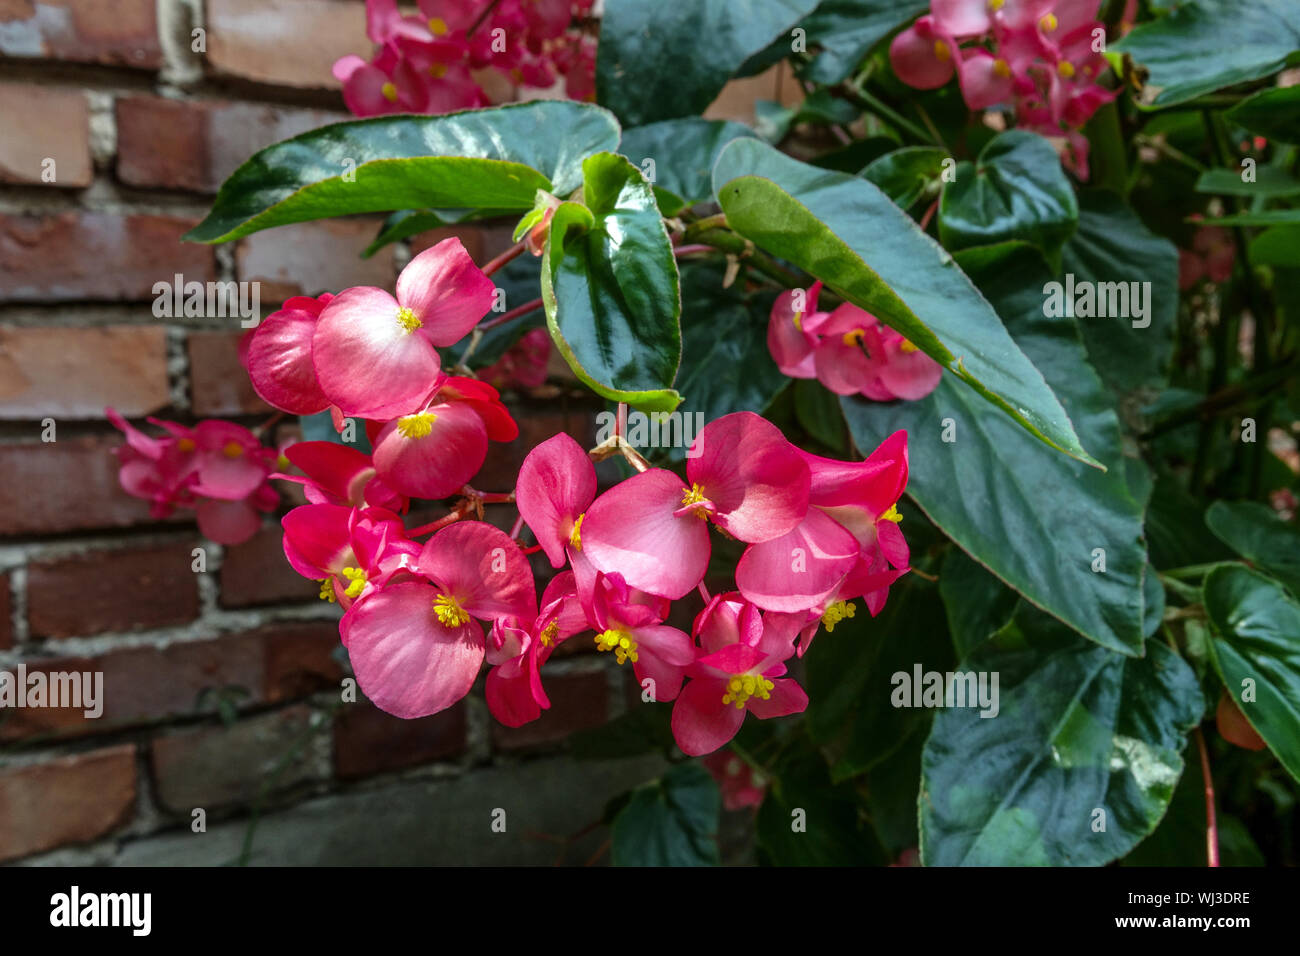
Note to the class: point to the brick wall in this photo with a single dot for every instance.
(221, 686)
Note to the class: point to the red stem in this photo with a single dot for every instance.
(925, 220)
(691, 249)
(515, 313)
(502, 259)
(1211, 827)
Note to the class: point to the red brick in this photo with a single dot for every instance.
(44, 124)
(66, 800)
(74, 373)
(219, 385)
(121, 32)
(501, 468)
(478, 242)
(196, 145)
(96, 255)
(217, 766)
(116, 590)
(368, 741)
(578, 701)
(309, 258)
(67, 485)
(257, 572)
(300, 659)
(293, 44)
(6, 614)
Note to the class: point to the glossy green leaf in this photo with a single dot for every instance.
(1265, 217)
(806, 821)
(672, 821)
(907, 174)
(846, 232)
(1256, 533)
(1277, 246)
(1205, 45)
(818, 411)
(610, 288)
(1265, 181)
(662, 61)
(1083, 737)
(1032, 517)
(1256, 626)
(683, 152)
(1273, 114)
(485, 159)
(1016, 189)
(976, 602)
(1112, 245)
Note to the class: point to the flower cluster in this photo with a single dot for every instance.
(427, 63)
(218, 468)
(848, 350)
(1041, 57)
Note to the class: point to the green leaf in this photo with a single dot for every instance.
(818, 411)
(672, 821)
(1256, 627)
(1031, 517)
(1274, 114)
(1112, 245)
(320, 427)
(805, 821)
(485, 159)
(1079, 729)
(1179, 840)
(907, 174)
(1016, 189)
(1256, 533)
(661, 61)
(609, 284)
(1278, 246)
(1269, 182)
(683, 152)
(1205, 45)
(640, 730)
(834, 226)
(1265, 217)
(977, 603)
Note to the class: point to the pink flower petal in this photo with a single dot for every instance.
(785, 697)
(798, 570)
(483, 568)
(279, 361)
(701, 721)
(913, 56)
(435, 464)
(447, 292)
(227, 522)
(557, 483)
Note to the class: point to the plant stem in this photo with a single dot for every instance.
(514, 313)
(742, 248)
(495, 264)
(1211, 825)
(867, 101)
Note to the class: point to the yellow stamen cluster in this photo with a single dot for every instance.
(407, 319)
(416, 426)
(389, 91)
(798, 321)
(996, 5)
(232, 449)
(892, 515)
(620, 642)
(549, 633)
(1048, 23)
(837, 612)
(1066, 69)
(854, 337)
(438, 26)
(327, 589)
(449, 611)
(438, 70)
(1001, 67)
(186, 445)
(741, 687)
(941, 51)
(908, 347)
(694, 497)
(356, 581)
(575, 536)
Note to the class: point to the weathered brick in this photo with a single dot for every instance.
(299, 659)
(121, 33)
(73, 373)
(309, 258)
(217, 766)
(501, 468)
(578, 701)
(369, 741)
(67, 485)
(477, 241)
(118, 590)
(196, 145)
(66, 800)
(96, 255)
(219, 385)
(257, 572)
(6, 614)
(293, 44)
(47, 135)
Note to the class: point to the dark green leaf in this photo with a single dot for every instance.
(833, 225)
(1267, 181)
(907, 174)
(977, 603)
(672, 821)
(818, 411)
(641, 730)
(609, 284)
(1206, 45)
(683, 152)
(487, 159)
(1084, 737)
(1274, 114)
(1256, 533)
(805, 821)
(1034, 518)
(1278, 246)
(1256, 626)
(1015, 190)
(1265, 217)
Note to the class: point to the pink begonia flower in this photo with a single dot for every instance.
(741, 785)
(415, 644)
(653, 528)
(523, 365)
(347, 550)
(278, 357)
(630, 623)
(985, 80)
(514, 685)
(434, 452)
(556, 486)
(376, 356)
(338, 475)
(790, 332)
(857, 354)
(1211, 257)
(739, 668)
(234, 522)
(923, 56)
